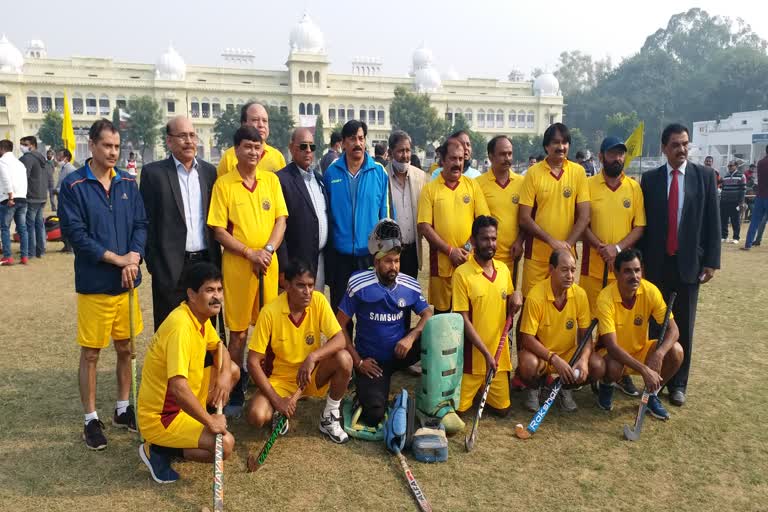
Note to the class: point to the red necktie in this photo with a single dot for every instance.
(673, 203)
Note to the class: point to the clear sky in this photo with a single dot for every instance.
(480, 38)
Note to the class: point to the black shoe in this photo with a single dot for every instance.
(677, 397)
(125, 420)
(93, 435)
(756, 244)
(627, 386)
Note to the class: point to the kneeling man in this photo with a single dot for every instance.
(624, 309)
(483, 295)
(286, 353)
(555, 317)
(181, 376)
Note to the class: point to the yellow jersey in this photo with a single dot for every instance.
(503, 203)
(271, 160)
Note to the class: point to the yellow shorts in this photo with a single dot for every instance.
(241, 290)
(440, 292)
(286, 387)
(498, 394)
(641, 355)
(184, 431)
(533, 273)
(593, 286)
(101, 316)
(545, 368)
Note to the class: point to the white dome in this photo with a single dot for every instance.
(546, 85)
(306, 37)
(36, 49)
(427, 80)
(11, 60)
(170, 66)
(451, 74)
(422, 58)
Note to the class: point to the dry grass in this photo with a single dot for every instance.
(712, 455)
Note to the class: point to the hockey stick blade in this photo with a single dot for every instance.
(421, 499)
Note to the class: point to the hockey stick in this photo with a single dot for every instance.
(469, 441)
(218, 458)
(538, 418)
(514, 274)
(131, 330)
(261, 292)
(605, 274)
(255, 463)
(421, 499)
(633, 434)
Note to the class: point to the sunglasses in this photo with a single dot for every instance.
(306, 145)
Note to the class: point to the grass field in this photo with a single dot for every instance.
(712, 455)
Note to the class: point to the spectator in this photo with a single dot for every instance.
(37, 193)
(380, 153)
(65, 161)
(334, 151)
(131, 164)
(760, 211)
(13, 203)
(731, 201)
(50, 170)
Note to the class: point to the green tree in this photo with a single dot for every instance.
(621, 125)
(280, 127)
(50, 130)
(478, 141)
(524, 146)
(578, 142)
(143, 126)
(414, 114)
(319, 136)
(225, 127)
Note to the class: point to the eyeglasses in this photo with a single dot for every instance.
(306, 145)
(184, 136)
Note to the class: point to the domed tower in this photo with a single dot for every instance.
(307, 69)
(36, 49)
(425, 77)
(11, 60)
(546, 85)
(171, 66)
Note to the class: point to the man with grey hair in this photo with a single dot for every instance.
(306, 230)
(177, 194)
(405, 184)
(271, 159)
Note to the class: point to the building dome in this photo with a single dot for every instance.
(36, 49)
(546, 85)
(427, 80)
(11, 60)
(307, 37)
(422, 58)
(451, 74)
(170, 66)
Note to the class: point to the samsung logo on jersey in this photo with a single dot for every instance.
(386, 317)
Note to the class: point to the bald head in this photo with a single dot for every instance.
(302, 147)
(256, 115)
(301, 133)
(181, 139)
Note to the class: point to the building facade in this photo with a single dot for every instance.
(31, 85)
(743, 136)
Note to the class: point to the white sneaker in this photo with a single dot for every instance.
(532, 401)
(567, 403)
(735, 241)
(723, 240)
(331, 426)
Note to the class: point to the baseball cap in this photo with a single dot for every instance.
(610, 143)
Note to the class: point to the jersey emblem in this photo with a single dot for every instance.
(310, 339)
(503, 294)
(401, 302)
(638, 320)
(466, 199)
(266, 204)
(567, 192)
(515, 199)
(125, 196)
(627, 203)
(569, 323)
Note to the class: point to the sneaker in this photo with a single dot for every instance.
(6, 262)
(532, 401)
(125, 420)
(234, 409)
(159, 464)
(516, 384)
(756, 244)
(566, 402)
(724, 240)
(627, 386)
(605, 396)
(24, 260)
(331, 426)
(93, 435)
(275, 419)
(656, 409)
(735, 241)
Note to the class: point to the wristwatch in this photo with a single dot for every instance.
(269, 248)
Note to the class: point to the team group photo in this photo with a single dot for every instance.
(230, 288)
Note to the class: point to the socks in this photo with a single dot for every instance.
(91, 416)
(121, 406)
(331, 405)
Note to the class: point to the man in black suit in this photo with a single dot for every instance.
(681, 242)
(306, 232)
(177, 194)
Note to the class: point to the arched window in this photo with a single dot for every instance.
(380, 119)
(363, 114)
(468, 116)
(490, 119)
(449, 115)
(104, 109)
(350, 112)
(205, 107)
(481, 118)
(342, 114)
(499, 118)
(332, 114)
(512, 119)
(301, 77)
(215, 107)
(46, 102)
(58, 102)
(194, 107)
(302, 109)
(77, 104)
(90, 105)
(317, 78)
(309, 77)
(283, 107)
(33, 104)
(531, 118)
(310, 109)
(521, 119)
(120, 102)
(317, 109)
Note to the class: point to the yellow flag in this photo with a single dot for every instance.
(67, 133)
(634, 144)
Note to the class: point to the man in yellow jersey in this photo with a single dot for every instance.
(501, 188)
(617, 221)
(248, 216)
(447, 207)
(270, 159)
(623, 310)
(181, 376)
(554, 206)
(555, 317)
(287, 352)
(484, 296)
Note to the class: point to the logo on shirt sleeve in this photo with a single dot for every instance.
(266, 205)
(401, 302)
(310, 339)
(567, 192)
(569, 324)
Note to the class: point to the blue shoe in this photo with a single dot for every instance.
(656, 409)
(605, 396)
(234, 409)
(159, 464)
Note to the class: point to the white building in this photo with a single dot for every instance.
(742, 136)
(32, 85)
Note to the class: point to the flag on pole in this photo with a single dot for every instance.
(67, 132)
(634, 145)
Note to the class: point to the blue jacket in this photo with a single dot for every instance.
(351, 226)
(95, 221)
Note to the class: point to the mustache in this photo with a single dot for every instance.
(356, 148)
(215, 302)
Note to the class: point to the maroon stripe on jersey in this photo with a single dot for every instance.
(170, 409)
(529, 238)
(268, 363)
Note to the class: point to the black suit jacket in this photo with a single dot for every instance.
(167, 234)
(302, 236)
(699, 232)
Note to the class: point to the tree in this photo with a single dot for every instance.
(413, 114)
(225, 127)
(143, 126)
(524, 146)
(578, 142)
(319, 136)
(478, 141)
(50, 130)
(621, 125)
(280, 127)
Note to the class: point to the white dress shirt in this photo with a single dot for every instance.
(680, 188)
(192, 198)
(318, 202)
